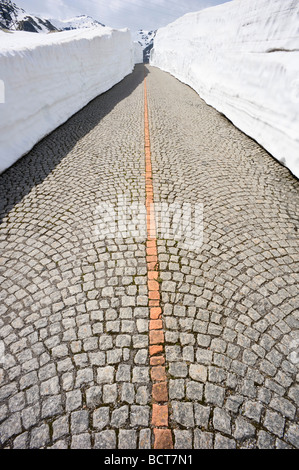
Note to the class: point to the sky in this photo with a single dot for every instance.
(134, 14)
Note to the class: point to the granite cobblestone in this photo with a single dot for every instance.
(74, 313)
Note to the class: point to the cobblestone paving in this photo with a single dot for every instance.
(74, 309)
(231, 309)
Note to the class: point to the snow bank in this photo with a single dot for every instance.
(50, 77)
(138, 53)
(2, 92)
(242, 58)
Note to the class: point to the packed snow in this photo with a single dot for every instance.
(2, 92)
(242, 58)
(138, 53)
(50, 77)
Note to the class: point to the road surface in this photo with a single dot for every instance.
(149, 281)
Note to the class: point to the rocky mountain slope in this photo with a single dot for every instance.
(13, 18)
(146, 39)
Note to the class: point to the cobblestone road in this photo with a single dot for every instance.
(74, 312)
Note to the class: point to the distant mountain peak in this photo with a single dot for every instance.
(81, 21)
(144, 37)
(146, 40)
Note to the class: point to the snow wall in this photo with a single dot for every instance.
(138, 53)
(242, 58)
(50, 77)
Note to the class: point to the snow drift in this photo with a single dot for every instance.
(138, 53)
(50, 77)
(242, 58)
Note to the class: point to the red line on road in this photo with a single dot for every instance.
(160, 405)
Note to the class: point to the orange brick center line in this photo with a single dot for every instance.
(162, 433)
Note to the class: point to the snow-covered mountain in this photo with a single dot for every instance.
(146, 39)
(82, 21)
(14, 18)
